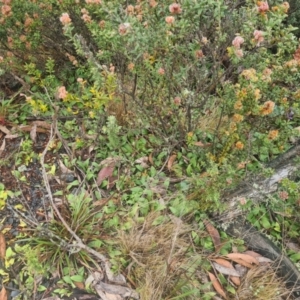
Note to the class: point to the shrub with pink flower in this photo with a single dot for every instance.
(170, 20)
(62, 92)
(263, 6)
(161, 71)
(123, 28)
(237, 41)
(258, 36)
(175, 8)
(65, 19)
(239, 53)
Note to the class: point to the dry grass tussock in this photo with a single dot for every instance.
(163, 263)
(262, 283)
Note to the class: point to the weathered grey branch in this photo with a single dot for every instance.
(258, 188)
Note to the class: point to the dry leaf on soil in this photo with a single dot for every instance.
(4, 129)
(214, 234)
(107, 171)
(171, 161)
(229, 270)
(243, 259)
(33, 133)
(2, 148)
(225, 270)
(150, 158)
(2, 246)
(3, 294)
(217, 285)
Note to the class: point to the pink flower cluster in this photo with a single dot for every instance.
(263, 6)
(258, 36)
(85, 16)
(124, 28)
(62, 92)
(65, 19)
(175, 8)
(237, 41)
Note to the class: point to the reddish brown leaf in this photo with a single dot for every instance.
(171, 161)
(79, 285)
(105, 173)
(243, 259)
(3, 294)
(217, 286)
(214, 234)
(4, 129)
(2, 246)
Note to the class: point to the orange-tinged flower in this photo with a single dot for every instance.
(267, 108)
(238, 105)
(152, 3)
(62, 92)
(6, 10)
(199, 54)
(237, 118)
(64, 19)
(239, 145)
(263, 6)
(170, 20)
(257, 94)
(130, 66)
(273, 134)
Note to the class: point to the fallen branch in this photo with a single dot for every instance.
(257, 189)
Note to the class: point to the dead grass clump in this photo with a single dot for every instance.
(262, 283)
(162, 261)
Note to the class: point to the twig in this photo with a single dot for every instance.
(79, 243)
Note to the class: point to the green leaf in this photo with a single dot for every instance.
(265, 222)
(77, 278)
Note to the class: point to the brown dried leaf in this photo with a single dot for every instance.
(2, 246)
(79, 285)
(171, 161)
(243, 259)
(252, 253)
(3, 294)
(214, 234)
(42, 124)
(63, 168)
(2, 148)
(150, 158)
(4, 129)
(225, 263)
(217, 286)
(105, 173)
(225, 270)
(33, 133)
(11, 136)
